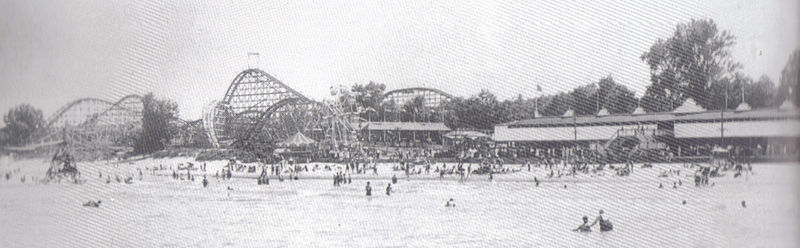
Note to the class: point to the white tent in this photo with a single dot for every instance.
(602, 112)
(297, 140)
(689, 106)
(743, 107)
(787, 105)
(569, 113)
(638, 111)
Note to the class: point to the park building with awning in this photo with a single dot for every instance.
(689, 130)
(402, 134)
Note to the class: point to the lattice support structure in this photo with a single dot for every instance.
(433, 98)
(94, 126)
(260, 108)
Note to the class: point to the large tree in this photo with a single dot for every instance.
(585, 100)
(157, 123)
(761, 93)
(727, 92)
(520, 108)
(555, 105)
(589, 99)
(790, 82)
(481, 111)
(21, 121)
(616, 98)
(687, 64)
(368, 98)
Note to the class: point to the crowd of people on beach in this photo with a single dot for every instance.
(342, 174)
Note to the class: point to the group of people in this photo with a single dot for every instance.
(340, 178)
(360, 168)
(368, 189)
(605, 224)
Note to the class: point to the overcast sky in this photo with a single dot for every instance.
(53, 52)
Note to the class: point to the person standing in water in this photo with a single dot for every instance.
(605, 225)
(389, 189)
(205, 181)
(585, 227)
(369, 189)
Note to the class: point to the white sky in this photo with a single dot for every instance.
(53, 52)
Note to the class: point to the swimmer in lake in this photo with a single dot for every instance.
(450, 204)
(585, 227)
(94, 204)
(605, 225)
(389, 189)
(368, 189)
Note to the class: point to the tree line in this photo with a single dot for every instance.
(694, 63)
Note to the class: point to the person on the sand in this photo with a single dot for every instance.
(369, 189)
(585, 227)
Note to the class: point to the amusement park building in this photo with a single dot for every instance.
(402, 134)
(687, 131)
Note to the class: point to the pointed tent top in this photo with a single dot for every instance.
(569, 113)
(689, 106)
(603, 112)
(743, 107)
(639, 111)
(298, 139)
(787, 105)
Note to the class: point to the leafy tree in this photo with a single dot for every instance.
(761, 93)
(614, 97)
(414, 110)
(368, 98)
(3, 137)
(555, 105)
(658, 98)
(389, 110)
(481, 111)
(21, 121)
(790, 82)
(727, 92)
(157, 124)
(520, 108)
(687, 64)
(584, 100)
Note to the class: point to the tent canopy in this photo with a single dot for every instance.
(298, 139)
(689, 106)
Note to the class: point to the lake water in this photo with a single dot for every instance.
(161, 212)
